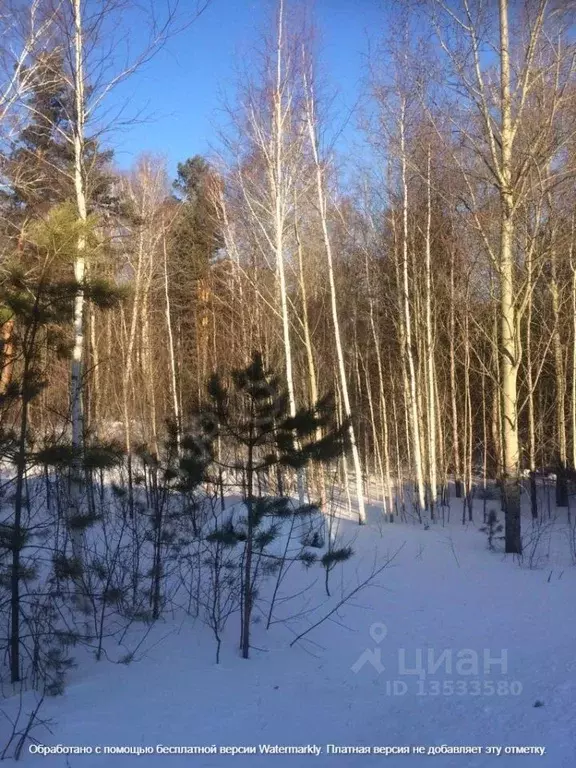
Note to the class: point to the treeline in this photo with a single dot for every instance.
(434, 293)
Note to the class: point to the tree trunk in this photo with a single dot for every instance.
(510, 349)
(322, 205)
(429, 357)
(77, 368)
(560, 385)
(411, 391)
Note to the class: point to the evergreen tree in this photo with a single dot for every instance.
(196, 238)
(38, 167)
(38, 302)
(492, 528)
(37, 172)
(193, 244)
(252, 418)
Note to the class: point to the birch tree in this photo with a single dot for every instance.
(491, 117)
(267, 164)
(98, 57)
(320, 167)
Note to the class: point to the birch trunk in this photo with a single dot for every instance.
(530, 385)
(411, 392)
(453, 388)
(510, 342)
(171, 350)
(77, 365)
(279, 190)
(388, 503)
(311, 366)
(431, 370)
(323, 212)
(560, 384)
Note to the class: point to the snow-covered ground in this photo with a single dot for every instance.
(452, 645)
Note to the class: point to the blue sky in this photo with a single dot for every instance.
(181, 89)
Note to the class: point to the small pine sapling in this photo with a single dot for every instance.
(331, 559)
(492, 528)
(252, 416)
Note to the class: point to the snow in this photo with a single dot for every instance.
(444, 594)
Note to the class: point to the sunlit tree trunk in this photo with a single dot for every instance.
(77, 365)
(171, 349)
(559, 382)
(411, 391)
(530, 395)
(430, 354)
(509, 333)
(323, 213)
(388, 502)
(453, 388)
(311, 366)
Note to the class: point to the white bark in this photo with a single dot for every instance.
(388, 503)
(171, 350)
(411, 391)
(281, 202)
(430, 350)
(77, 383)
(323, 213)
(509, 329)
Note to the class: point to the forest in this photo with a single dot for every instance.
(281, 323)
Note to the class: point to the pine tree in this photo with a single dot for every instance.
(37, 300)
(39, 309)
(39, 163)
(192, 246)
(252, 419)
(196, 237)
(492, 528)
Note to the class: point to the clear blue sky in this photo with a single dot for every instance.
(181, 88)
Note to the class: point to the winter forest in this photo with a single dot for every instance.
(294, 402)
